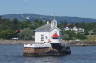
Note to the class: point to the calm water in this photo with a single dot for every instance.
(13, 54)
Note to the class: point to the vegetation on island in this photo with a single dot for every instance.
(14, 28)
(89, 31)
(24, 30)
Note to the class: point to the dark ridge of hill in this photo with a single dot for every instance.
(32, 17)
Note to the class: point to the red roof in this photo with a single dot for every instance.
(55, 35)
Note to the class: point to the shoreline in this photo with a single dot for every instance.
(83, 43)
(71, 43)
(16, 41)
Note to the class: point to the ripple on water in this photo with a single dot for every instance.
(14, 54)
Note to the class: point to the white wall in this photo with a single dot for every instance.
(38, 37)
(48, 35)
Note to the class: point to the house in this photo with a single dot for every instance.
(75, 29)
(47, 33)
(67, 28)
(80, 30)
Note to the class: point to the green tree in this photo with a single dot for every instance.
(26, 34)
(6, 34)
(80, 36)
(15, 24)
(25, 24)
(69, 35)
(37, 23)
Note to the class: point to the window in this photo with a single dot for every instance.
(46, 37)
(42, 37)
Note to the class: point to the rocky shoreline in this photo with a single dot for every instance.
(71, 43)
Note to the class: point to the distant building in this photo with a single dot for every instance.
(67, 28)
(81, 30)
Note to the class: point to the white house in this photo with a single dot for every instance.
(75, 29)
(81, 30)
(48, 33)
(67, 28)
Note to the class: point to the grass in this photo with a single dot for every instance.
(91, 37)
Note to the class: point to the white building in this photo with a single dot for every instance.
(67, 28)
(81, 30)
(75, 29)
(48, 33)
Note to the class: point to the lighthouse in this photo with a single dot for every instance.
(47, 41)
(48, 33)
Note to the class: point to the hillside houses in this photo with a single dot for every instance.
(80, 30)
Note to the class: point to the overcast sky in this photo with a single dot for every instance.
(74, 8)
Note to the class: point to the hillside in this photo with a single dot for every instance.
(32, 17)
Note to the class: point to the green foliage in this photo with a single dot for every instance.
(15, 23)
(26, 34)
(8, 29)
(37, 23)
(6, 34)
(91, 37)
(71, 35)
(26, 24)
(80, 36)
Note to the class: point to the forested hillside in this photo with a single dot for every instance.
(24, 29)
(32, 17)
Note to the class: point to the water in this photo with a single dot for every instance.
(14, 54)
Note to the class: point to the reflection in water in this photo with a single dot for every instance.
(14, 54)
(42, 60)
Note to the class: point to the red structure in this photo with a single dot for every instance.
(55, 36)
(17, 31)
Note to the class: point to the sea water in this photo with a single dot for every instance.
(14, 54)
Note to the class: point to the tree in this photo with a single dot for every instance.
(69, 35)
(25, 24)
(37, 23)
(26, 34)
(80, 36)
(15, 24)
(6, 34)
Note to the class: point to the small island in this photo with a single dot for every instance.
(47, 42)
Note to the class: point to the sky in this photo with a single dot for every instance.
(72, 8)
